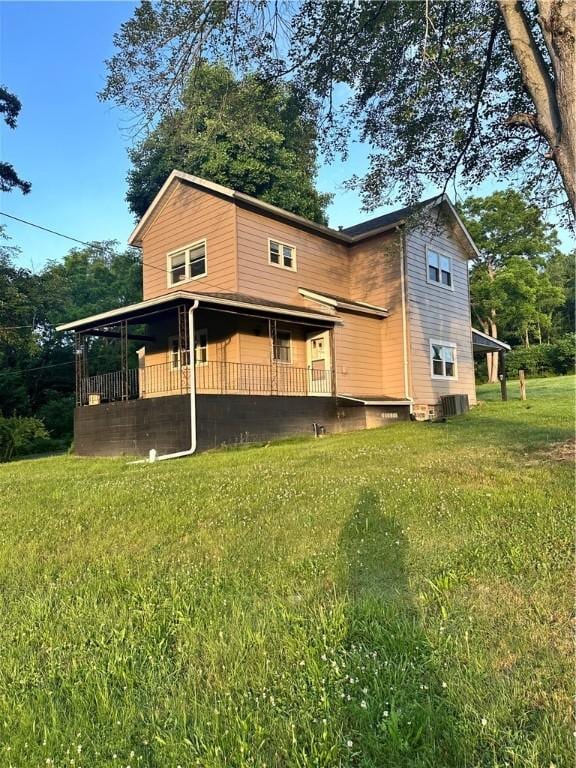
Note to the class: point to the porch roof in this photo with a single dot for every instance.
(238, 301)
(340, 302)
(374, 399)
(482, 342)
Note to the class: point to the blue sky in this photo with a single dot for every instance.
(73, 147)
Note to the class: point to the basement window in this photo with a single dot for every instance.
(443, 360)
(282, 255)
(187, 264)
(439, 268)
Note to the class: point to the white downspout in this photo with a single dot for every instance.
(404, 320)
(152, 457)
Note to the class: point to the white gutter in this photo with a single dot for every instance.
(152, 456)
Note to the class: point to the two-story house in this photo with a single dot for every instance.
(294, 327)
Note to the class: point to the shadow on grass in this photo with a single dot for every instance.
(403, 714)
(515, 435)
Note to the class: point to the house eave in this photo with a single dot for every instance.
(491, 345)
(133, 311)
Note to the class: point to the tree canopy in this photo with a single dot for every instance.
(440, 90)
(10, 107)
(36, 363)
(247, 134)
(513, 294)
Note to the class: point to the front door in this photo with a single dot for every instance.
(318, 359)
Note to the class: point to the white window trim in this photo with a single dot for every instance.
(290, 348)
(438, 343)
(433, 282)
(186, 249)
(197, 336)
(179, 366)
(294, 267)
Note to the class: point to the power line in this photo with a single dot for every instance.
(22, 371)
(90, 245)
(51, 231)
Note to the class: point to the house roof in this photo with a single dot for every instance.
(390, 219)
(234, 300)
(342, 303)
(482, 342)
(348, 236)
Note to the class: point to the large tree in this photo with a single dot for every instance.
(10, 107)
(246, 134)
(511, 293)
(440, 89)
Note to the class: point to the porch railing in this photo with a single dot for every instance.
(213, 377)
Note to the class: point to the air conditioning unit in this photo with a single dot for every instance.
(454, 405)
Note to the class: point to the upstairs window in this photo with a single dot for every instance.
(282, 255)
(443, 360)
(187, 264)
(439, 268)
(281, 348)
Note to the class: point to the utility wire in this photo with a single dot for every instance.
(51, 231)
(92, 245)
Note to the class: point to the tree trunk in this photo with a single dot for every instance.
(553, 93)
(526, 338)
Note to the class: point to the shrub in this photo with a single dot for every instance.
(543, 359)
(20, 435)
(536, 360)
(563, 354)
(57, 413)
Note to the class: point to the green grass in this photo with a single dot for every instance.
(398, 597)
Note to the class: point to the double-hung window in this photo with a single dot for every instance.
(180, 358)
(282, 255)
(443, 360)
(281, 348)
(187, 264)
(439, 268)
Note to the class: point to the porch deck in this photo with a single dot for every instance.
(213, 377)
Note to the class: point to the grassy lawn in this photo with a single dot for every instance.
(398, 597)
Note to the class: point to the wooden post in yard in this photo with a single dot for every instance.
(503, 383)
(522, 384)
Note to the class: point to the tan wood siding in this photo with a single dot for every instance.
(322, 265)
(190, 215)
(358, 353)
(376, 279)
(438, 313)
(241, 344)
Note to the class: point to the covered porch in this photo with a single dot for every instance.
(241, 346)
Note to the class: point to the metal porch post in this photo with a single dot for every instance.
(81, 366)
(184, 347)
(503, 383)
(273, 335)
(332, 360)
(124, 359)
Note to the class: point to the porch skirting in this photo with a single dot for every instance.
(133, 427)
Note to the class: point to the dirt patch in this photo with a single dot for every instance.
(561, 451)
(564, 452)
